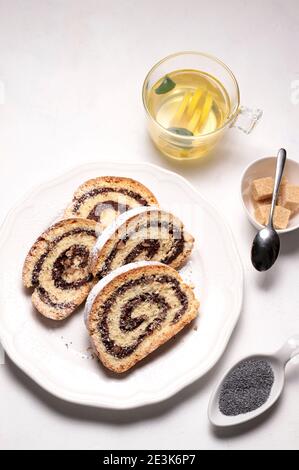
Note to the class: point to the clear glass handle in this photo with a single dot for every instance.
(247, 119)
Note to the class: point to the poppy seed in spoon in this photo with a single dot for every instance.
(246, 387)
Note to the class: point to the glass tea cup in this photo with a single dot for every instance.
(162, 92)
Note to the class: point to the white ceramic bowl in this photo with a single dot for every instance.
(266, 167)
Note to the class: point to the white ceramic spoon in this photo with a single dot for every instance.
(277, 361)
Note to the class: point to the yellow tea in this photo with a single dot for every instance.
(188, 103)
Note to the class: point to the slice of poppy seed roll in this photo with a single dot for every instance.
(103, 199)
(57, 267)
(134, 310)
(143, 233)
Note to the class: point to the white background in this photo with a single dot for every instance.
(72, 72)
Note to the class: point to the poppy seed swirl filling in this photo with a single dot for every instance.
(96, 191)
(118, 204)
(125, 320)
(134, 310)
(68, 268)
(75, 257)
(104, 198)
(150, 236)
(98, 209)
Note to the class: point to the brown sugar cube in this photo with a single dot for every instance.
(259, 215)
(262, 213)
(280, 219)
(291, 197)
(284, 181)
(264, 202)
(280, 197)
(268, 201)
(281, 193)
(262, 188)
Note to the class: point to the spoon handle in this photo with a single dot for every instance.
(281, 159)
(289, 349)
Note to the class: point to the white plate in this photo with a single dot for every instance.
(56, 355)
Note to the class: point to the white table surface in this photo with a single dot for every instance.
(72, 72)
